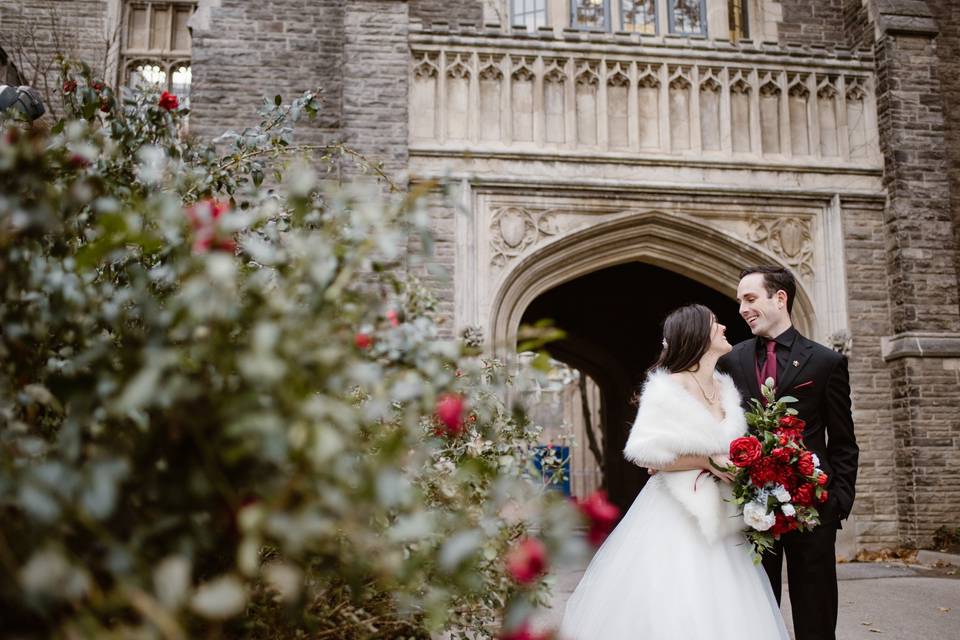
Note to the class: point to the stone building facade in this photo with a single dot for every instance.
(644, 151)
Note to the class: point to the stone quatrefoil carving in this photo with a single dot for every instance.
(791, 239)
(514, 229)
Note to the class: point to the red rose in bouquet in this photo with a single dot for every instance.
(805, 464)
(745, 451)
(803, 495)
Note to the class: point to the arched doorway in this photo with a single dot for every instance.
(612, 319)
(687, 252)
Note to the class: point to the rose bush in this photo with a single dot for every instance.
(225, 410)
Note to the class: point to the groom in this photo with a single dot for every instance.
(818, 378)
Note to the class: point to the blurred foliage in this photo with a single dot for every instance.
(218, 391)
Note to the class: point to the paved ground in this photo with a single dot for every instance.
(877, 600)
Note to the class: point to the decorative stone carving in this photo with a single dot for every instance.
(855, 89)
(515, 229)
(555, 71)
(841, 341)
(535, 98)
(790, 238)
(617, 77)
(490, 69)
(472, 336)
(769, 88)
(457, 68)
(587, 73)
(826, 89)
(523, 70)
(739, 84)
(425, 67)
(649, 79)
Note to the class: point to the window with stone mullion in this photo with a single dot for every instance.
(639, 16)
(688, 17)
(590, 15)
(530, 13)
(155, 45)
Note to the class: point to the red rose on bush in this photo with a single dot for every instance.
(745, 451)
(393, 317)
(805, 464)
(97, 86)
(523, 632)
(203, 216)
(362, 340)
(168, 101)
(69, 86)
(601, 513)
(527, 560)
(803, 495)
(449, 411)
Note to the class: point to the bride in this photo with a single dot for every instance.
(677, 567)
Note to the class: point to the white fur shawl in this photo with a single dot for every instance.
(670, 423)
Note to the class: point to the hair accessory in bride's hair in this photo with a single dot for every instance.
(664, 343)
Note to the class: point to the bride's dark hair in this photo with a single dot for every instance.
(686, 336)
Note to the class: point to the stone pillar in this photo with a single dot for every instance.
(924, 351)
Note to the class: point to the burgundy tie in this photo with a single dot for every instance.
(770, 364)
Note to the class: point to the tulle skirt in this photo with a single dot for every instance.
(657, 578)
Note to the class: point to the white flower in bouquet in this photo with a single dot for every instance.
(816, 460)
(756, 517)
(788, 510)
(781, 494)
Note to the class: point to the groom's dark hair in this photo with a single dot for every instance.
(774, 279)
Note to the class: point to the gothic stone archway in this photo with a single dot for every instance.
(694, 262)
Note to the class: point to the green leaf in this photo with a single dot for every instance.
(277, 100)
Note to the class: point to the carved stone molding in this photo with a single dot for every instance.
(514, 229)
(790, 238)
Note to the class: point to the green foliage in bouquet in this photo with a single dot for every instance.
(224, 408)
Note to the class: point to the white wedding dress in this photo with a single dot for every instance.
(670, 571)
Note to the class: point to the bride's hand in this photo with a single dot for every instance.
(726, 469)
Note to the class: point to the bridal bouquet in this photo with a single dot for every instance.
(777, 481)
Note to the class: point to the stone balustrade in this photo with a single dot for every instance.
(620, 97)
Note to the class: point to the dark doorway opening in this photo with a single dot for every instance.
(612, 318)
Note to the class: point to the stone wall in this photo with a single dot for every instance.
(33, 33)
(454, 12)
(947, 15)
(814, 22)
(244, 51)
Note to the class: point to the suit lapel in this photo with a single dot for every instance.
(799, 354)
(748, 367)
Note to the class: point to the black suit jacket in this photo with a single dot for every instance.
(821, 383)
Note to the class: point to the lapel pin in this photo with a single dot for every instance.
(796, 364)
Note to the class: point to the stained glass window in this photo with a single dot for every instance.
(639, 15)
(688, 17)
(590, 14)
